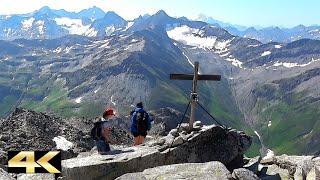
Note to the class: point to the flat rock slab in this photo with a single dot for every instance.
(212, 143)
(198, 171)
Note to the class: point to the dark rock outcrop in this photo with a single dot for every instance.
(30, 130)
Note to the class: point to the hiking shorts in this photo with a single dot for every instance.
(136, 134)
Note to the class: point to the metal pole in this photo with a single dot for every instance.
(194, 95)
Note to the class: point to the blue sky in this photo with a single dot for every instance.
(286, 13)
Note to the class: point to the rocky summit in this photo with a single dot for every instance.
(207, 152)
(209, 143)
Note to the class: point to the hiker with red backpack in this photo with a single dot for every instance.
(140, 124)
(101, 131)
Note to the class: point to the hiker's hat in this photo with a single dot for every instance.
(108, 112)
(139, 104)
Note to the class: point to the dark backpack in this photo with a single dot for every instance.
(96, 131)
(142, 122)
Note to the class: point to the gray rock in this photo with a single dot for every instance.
(244, 174)
(184, 137)
(275, 171)
(267, 161)
(169, 139)
(174, 132)
(312, 174)
(219, 146)
(253, 164)
(3, 157)
(5, 176)
(44, 176)
(160, 142)
(198, 171)
(4, 137)
(297, 166)
(184, 127)
(131, 176)
(177, 141)
(190, 135)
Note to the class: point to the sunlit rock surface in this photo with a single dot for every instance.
(211, 143)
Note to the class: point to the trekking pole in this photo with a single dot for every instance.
(209, 114)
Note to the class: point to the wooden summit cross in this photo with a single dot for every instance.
(194, 96)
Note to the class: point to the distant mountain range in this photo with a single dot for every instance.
(75, 64)
(267, 34)
(94, 22)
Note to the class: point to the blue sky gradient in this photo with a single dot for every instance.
(284, 13)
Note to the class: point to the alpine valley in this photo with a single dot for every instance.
(75, 64)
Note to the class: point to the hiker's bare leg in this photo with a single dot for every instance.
(136, 140)
(141, 139)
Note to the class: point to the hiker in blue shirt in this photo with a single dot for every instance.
(140, 124)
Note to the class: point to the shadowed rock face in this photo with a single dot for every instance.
(210, 143)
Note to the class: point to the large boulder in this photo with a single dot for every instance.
(244, 174)
(211, 143)
(210, 170)
(291, 167)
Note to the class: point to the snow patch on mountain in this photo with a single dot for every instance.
(130, 23)
(188, 36)
(257, 134)
(27, 24)
(105, 45)
(112, 101)
(67, 49)
(277, 46)
(109, 30)
(266, 53)
(41, 27)
(253, 45)
(74, 26)
(95, 91)
(78, 100)
(58, 50)
(188, 59)
(234, 62)
(291, 65)
(269, 123)
(91, 32)
(134, 40)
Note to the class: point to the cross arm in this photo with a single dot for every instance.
(200, 77)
